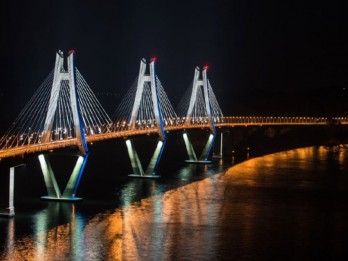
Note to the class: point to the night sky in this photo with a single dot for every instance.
(264, 57)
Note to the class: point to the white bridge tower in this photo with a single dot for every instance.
(200, 112)
(60, 76)
(147, 81)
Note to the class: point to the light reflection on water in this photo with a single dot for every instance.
(283, 206)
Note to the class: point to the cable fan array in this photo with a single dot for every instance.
(145, 118)
(215, 108)
(95, 118)
(48, 116)
(199, 112)
(29, 127)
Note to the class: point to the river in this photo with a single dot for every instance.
(291, 205)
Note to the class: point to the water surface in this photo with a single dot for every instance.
(285, 206)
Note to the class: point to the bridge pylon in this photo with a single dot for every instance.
(63, 112)
(60, 79)
(60, 75)
(201, 112)
(147, 92)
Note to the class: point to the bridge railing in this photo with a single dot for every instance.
(255, 120)
(340, 120)
(22, 144)
(148, 124)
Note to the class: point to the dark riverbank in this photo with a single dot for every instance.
(262, 140)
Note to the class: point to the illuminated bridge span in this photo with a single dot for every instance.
(223, 122)
(64, 112)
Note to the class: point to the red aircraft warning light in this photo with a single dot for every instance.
(153, 59)
(72, 51)
(205, 67)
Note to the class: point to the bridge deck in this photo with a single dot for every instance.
(225, 122)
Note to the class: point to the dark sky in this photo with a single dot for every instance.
(252, 47)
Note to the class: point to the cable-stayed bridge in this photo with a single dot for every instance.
(64, 112)
(64, 107)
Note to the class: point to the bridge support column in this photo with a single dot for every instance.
(220, 155)
(11, 210)
(11, 193)
(53, 190)
(203, 159)
(136, 164)
(221, 144)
